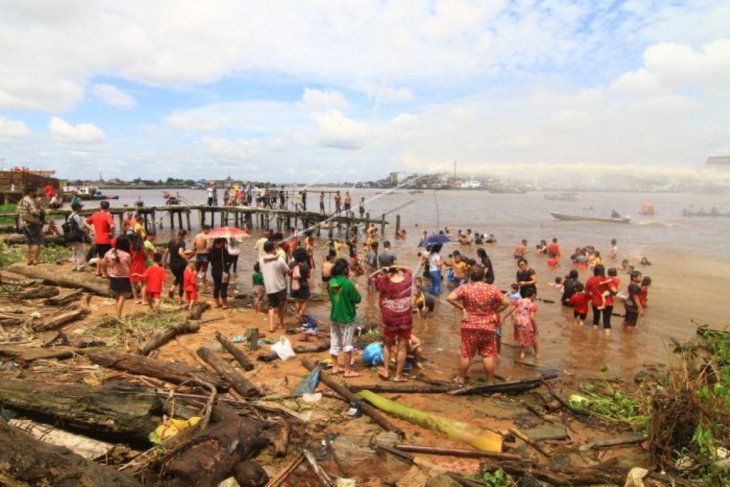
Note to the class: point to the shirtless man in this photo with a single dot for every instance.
(200, 244)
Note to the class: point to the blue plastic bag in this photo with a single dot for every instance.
(373, 354)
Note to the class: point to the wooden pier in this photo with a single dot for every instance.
(179, 217)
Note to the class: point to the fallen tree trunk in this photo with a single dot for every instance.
(238, 382)
(34, 293)
(468, 433)
(174, 372)
(61, 319)
(27, 461)
(211, 456)
(402, 389)
(366, 408)
(74, 295)
(19, 239)
(165, 335)
(235, 351)
(515, 386)
(50, 274)
(198, 309)
(121, 411)
(270, 356)
(29, 354)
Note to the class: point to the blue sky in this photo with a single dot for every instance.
(293, 91)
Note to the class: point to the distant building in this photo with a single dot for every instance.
(398, 177)
(719, 161)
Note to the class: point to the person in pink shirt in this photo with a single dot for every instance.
(117, 262)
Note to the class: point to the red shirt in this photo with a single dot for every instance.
(594, 289)
(395, 302)
(580, 302)
(189, 280)
(102, 222)
(552, 262)
(554, 249)
(154, 276)
(481, 303)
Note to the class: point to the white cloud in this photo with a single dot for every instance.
(387, 94)
(322, 99)
(83, 133)
(336, 130)
(113, 96)
(12, 129)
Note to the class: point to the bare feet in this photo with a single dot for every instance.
(400, 378)
(383, 375)
(352, 374)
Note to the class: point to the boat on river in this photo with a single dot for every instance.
(563, 197)
(582, 218)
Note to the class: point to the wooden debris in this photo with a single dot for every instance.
(199, 308)
(29, 354)
(282, 475)
(455, 452)
(235, 351)
(516, 386)
(124, 411)
(238, 382)
(317, 468)
(50, 274)
(28, 461)
(69, 298)
(165, 335)
(88, 448)
(35, 292)
(174, 372)
(527, 440)
(308, 348)
(366, 408)
(403, 388)
(61, 319)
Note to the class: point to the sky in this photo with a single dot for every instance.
(330, 91)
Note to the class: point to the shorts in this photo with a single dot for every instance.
(392, 334)
(631, 317)
(102, 249)
(258, 294)
(301, 293)
(191, 295)
(480, 341)
(582, 316)
(120, 285)
(428, 304)
(33, 233)
(201, 258)
(277, 299)
(153, 295)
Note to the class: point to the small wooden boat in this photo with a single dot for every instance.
(582, 218)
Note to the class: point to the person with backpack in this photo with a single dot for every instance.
(75, 233)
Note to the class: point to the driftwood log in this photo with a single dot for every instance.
(120, 411)
(270, 356)
(28, 461)
(50, 274)
(165, 335)
(173, 372)
(19, 239)
(238, 382)
(211, 456)
(61, 319)
(235, 351)
(366, 408)
(198, 309)
(515, 386)
(35, 292)
(29, 354)
(69, 298)
(403, 389)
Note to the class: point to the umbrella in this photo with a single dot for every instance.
(435, 239)
(228, 232)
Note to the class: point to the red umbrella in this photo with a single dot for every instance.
(228, 232)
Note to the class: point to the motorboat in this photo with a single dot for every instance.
(583, 218)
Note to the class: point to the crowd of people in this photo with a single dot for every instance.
(284, 273)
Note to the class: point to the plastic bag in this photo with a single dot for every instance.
(283, 349)
(373, 354)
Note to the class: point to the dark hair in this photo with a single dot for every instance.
(386, 244)
(135, 242)
(612, 272)
(374, 246)
(646, 281)
(122, 243)
(578, 287)
(182, 233)
(219, 240)
(481, 253)
(257, 267)
(527, 292)
(555, 239)
(634, 274)
(29, 189)
(476, 273)
(521, 260)
(340, 268)
(104, 205)
(599, 270)
(573, 274)
(157, 257)
(300, 255)
(269, 246)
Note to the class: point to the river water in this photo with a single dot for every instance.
(689, 256)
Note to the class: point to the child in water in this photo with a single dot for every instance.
(423, 303)
(580, 301)
(611, 285)
(523, 316)
(514, 293)
(644, 295)
(257, 279)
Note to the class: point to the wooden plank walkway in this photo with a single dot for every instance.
(254, 217)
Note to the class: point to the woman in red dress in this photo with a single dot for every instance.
(480, 304)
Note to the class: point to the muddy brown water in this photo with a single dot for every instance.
(689, 256)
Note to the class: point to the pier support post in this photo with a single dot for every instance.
(172, 220)
(397, 224)
(187, 219)
(382, 225)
